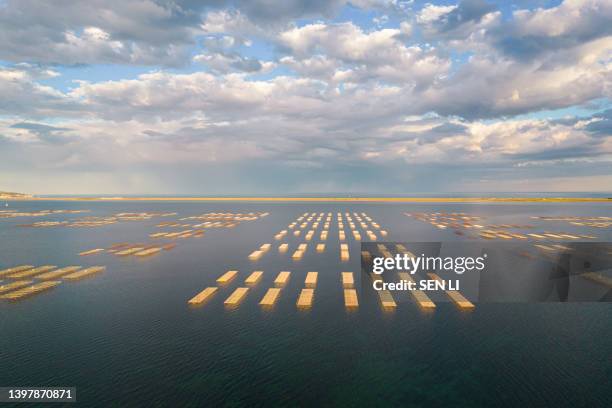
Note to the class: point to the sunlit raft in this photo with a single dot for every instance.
(227, 276)
(30, 290)
(91, 252)
(14, 285)
(253, 278)
(148, 252)
(311, 279)
(58, 273)
(454, 295)
(31, 272)
(305, 298)
(419, 296)
(282, 278)
(203, 295)
(350, 298)
(85, 273)
(15, 269)
(236, 297)
(270, 297)
(347, 280)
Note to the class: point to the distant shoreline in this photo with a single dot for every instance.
(329, 199)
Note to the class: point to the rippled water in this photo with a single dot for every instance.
(127, 337)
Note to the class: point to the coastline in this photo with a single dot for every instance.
(330, 199)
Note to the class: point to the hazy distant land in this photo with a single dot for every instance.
(29, 197)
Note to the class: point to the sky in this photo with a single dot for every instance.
(301, 97)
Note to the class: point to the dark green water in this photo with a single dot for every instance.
(127, 337)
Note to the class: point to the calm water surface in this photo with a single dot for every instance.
(127, 337)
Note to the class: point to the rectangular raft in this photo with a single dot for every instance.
(203, 295)
(320, 247)
(236, 297)
(270, 297)
(344, 253)
(85, 273)
(58, 272)
(227, 276)
(305, 298)
(454, 295)
(15, 269)
(253, 278)
(255, 255)
(282, 248)
(311, 279)
(386, 299)
(14, 285)
(31, 272)
(91, 252)
(129, 251)
(148, 252)
(348, 281)
(419, 296)
(282, 278)
(30, 290)
(350, 298)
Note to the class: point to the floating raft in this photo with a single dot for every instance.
(454, 295)
(15, 269)
(297, 255)
(227, 276)
(203, 295)
(421, 298)
(282, 248)
(347, 280)
(148, 252)
(270, 297)
(30, 290)
(386, 299)
(282, 278)
(320, 247)
(129, 251)
(58, 272)
(31, 272)
(14, 285)
(350, 298)
(91, 252)
(253, 278)
(85, 273)
(311, 279)
(236, 297)
(305, 298)
(255, 255)
(344, 252)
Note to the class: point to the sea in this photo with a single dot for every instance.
(127, 337)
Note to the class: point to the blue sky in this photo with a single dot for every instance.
(264, 97)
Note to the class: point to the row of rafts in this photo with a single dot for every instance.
(306, 297)
(49, 276)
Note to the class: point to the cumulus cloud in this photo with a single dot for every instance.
(423, 93)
